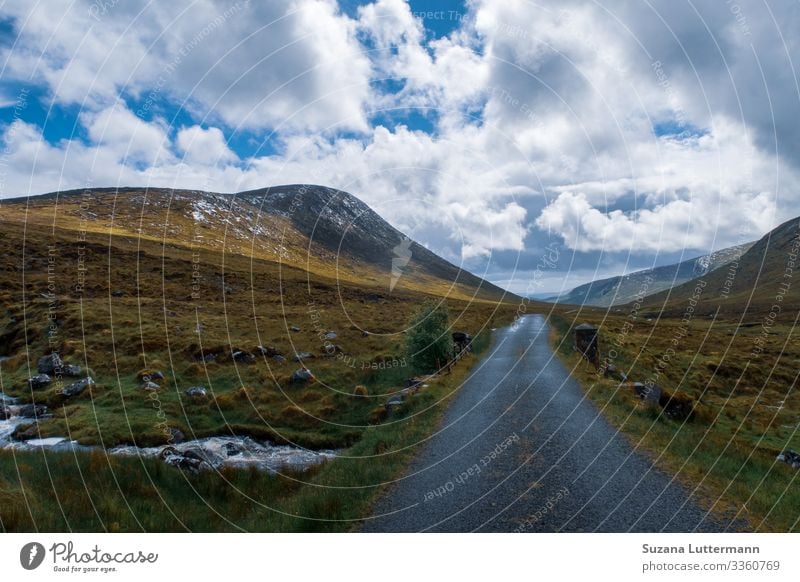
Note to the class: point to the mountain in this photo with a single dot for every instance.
(626, 288)
(762, 281)
(318, 229)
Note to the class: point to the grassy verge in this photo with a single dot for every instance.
(726, 452)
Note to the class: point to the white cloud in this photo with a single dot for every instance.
(206, 147)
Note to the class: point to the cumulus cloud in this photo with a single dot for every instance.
(629, 128)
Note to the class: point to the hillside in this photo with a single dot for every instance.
(746, 288)
(625, 288)
(230, 293)
(321, 230)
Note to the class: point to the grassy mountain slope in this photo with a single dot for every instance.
(625, 288)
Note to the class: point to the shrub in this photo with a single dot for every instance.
(360, 391)
(428, 343)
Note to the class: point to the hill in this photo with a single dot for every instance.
(626, 288)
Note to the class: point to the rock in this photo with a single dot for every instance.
(150, 386)
(648, 393)
(176, 436)
(232, 449)
(118, 293)
(150, 375)
(39, 381)
(5, 412)
(365, 333)
(34, 411)
(196, 392)
(301, 376)
(77, 387)
(413, 382)
(26, 432)
(790, 457)
(294, 328)
(279, 359)
(187, 462)
(395, 401)
(300, 356)
(243, 357)
(330, 335)
(49, 364)
(71, 370)
(268, 351)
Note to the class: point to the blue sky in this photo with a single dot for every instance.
(489, 131)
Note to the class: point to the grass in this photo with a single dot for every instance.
(122, 303)
(746, 408)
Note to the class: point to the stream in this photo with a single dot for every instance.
(209, 453)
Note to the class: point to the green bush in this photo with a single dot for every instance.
(428, 343)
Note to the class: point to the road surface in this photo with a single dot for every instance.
(521, 449)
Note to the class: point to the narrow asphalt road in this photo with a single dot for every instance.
(521, 449)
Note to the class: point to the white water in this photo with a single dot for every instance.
(219, 451)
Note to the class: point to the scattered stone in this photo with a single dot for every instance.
(279, 359)
(300, 356)
(39, 381)
(71, 370)
(150, 375)
(330, 335)
(150, 386)
(301, 376)
(396, 400)
(196, 392)
(365, 333)
(243, 357)
(294, 328)
(790, 457)
(268, 351)
(648, 393)
(34, 411)
(49, 364)
(77, 387)
(118, 293)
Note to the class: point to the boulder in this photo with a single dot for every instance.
(301, 376)
(49, 364)
(34, 411)
(243, 357)
(39, 381)
(186, 461)
(232, 449)
(71, 370)
(268, 351)
(300, 356)
(150, 386)
(790, 457)
(196, 392)
(77, 387)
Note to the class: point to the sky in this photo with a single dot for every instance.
(539, 144)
